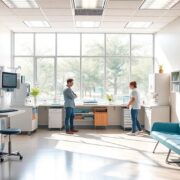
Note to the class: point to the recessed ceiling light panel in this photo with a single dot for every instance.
(138, 24)
(89, 4)
(37, 24)
(158, 4)
(87, 24)
(21, 3)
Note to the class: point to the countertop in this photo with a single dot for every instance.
(80, 105)
(10, 114)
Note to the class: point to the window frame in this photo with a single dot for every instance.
(56, 56)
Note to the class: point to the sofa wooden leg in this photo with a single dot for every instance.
(167, 159)
(155, 147)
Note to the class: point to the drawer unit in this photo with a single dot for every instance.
(126, 122)
(100, 119)
(55, 118)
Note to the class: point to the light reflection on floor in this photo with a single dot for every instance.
(88, 155)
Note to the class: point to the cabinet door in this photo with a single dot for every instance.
(100, 119)
(148, 117)
(55, 118)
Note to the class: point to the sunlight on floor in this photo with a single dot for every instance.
(115, 146)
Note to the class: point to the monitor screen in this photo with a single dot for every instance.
(9, 80)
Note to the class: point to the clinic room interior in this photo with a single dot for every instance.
(89, 89)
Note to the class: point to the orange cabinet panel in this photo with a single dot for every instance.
(100, 118)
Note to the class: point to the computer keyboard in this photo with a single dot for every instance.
(7, 110)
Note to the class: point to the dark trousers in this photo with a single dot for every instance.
(69, 119)
(135, 122)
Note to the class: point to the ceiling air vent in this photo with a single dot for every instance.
(88, 12)
(89, 7)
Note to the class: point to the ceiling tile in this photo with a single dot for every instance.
(118, 12)
(26, 12)
(5, 12)
(62, 24)
(116, 18)
(31, 18)
(177, 6)
(113, 24)
(64, 4)
(172, 13)
(150, 13)
(59, 18)
(158, 25)
(58, 12)
(114, 4)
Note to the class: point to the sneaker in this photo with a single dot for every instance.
(74, 131)
(141, 131)
(69, 132)
(132, 134)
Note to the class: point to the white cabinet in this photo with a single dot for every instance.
(156, 114)
(28, 121)
(175, 107)
(126, 121)
(55, 119)
(159, 86)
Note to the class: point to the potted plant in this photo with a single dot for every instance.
(161, 69)
(34, 93)
(109, 97)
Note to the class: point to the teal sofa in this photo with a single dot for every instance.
(167, 134)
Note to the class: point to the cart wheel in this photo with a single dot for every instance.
(20, 157)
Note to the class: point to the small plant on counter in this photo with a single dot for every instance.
(161, 68)
(109, 97)
(34, 93)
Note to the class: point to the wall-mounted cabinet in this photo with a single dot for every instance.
(175, 81)
(159, 87)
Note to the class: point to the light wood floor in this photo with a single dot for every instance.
(88, 155)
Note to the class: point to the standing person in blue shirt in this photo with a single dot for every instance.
(134, 103)
(69, 105)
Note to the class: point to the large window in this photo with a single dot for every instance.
(142, 45)
(45, 77)
(93, 45)
(93, 77)
(68, 44)
(100, 63)
(117, 73)
(118, 44)
(23, 44)
(26, 64)
(68, 68)
(45, 44)
(140, 70)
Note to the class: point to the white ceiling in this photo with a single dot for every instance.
(60, 15)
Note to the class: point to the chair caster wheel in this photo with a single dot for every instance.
(20, 157)
(1, 159)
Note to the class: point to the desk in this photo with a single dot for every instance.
(5, 122)
(113, 110)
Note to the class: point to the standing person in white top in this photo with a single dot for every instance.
(135, 106)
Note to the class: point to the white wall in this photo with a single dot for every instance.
(167, 52)
(167, 46)
(5, 60)
(5, 47)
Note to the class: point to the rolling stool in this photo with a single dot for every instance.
(10, 132)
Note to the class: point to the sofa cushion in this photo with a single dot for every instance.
(174, 144)
(170, 140)
(163, 136)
